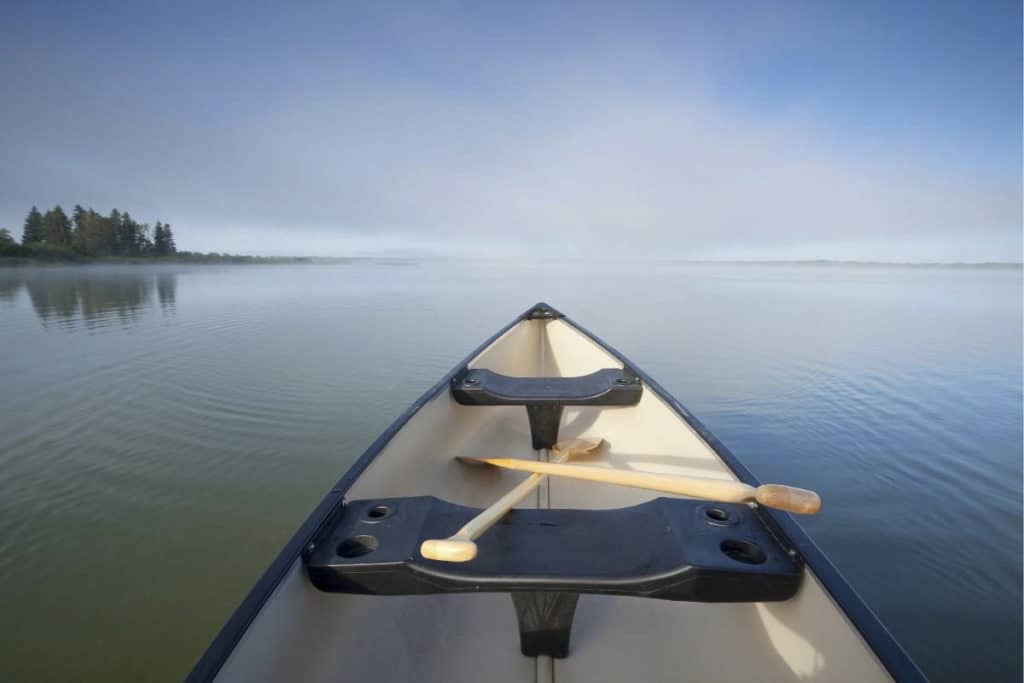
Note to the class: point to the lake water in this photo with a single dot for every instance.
(163, 430)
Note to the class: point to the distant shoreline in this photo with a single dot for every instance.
(412, 260)
(181, 259)
(870, 264)
(191, 258)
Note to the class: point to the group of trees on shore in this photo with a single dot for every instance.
(86, 233)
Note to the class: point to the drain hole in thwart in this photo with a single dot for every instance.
(717, 515)
(743, 551)
(357, 546)
(378, 512)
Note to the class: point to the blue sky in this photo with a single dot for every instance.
(878, 131)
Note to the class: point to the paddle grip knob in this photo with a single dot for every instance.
(448, 550)
(788, 498)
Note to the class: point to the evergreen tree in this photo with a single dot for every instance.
(33, 231)
(92, 234)
(159, 240)
(57, 227)
(129, 236)
(144, 245)
(78, 217)
(114, 233)
(169, 239)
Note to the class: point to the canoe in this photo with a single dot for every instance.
(607, 582)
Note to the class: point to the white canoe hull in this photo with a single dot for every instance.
(289, 630)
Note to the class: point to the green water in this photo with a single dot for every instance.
(163, 430)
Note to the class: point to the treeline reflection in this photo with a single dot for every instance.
(72, 297)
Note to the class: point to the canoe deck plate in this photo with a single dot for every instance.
(666, 548)
(545, 397)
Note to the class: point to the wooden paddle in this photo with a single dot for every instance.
(460, 546)
(788, 498)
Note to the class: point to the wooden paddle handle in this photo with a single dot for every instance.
(789, 498)
(460, 547)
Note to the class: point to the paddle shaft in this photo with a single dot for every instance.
(788, 498)
(486, 519)
(459, 547)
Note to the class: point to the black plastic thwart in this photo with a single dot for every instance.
(667, 549)
(544, 422)
(545, 397)
(545, 622)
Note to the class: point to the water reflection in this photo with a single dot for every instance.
(166, 289)
(9, 288)
(74, 297)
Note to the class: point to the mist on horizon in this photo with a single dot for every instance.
(748, 132)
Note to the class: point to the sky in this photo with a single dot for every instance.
(720, 130)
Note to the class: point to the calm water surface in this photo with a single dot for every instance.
(164, 430)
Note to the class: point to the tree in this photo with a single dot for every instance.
(57, 227)
(143, 244)
(55, 236)
(93, 235)
(163, 240)
(114, 234)
(8, 245)
(172, 248)
(159, 240)
(131, 236)
(78, 218)
(33, 231)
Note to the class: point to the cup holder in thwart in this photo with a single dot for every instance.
(378, 512)
(718, 515)
(357, 546)
(743, 551)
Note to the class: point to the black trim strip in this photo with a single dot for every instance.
(895, 659)
(889, 652)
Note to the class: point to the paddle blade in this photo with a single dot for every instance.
(577, 446)
(788, 498)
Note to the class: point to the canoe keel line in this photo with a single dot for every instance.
(680, 550)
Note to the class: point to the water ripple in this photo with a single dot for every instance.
(150, 417)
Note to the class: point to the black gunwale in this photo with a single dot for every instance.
(885, 647)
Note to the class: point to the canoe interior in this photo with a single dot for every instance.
(304, 634)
